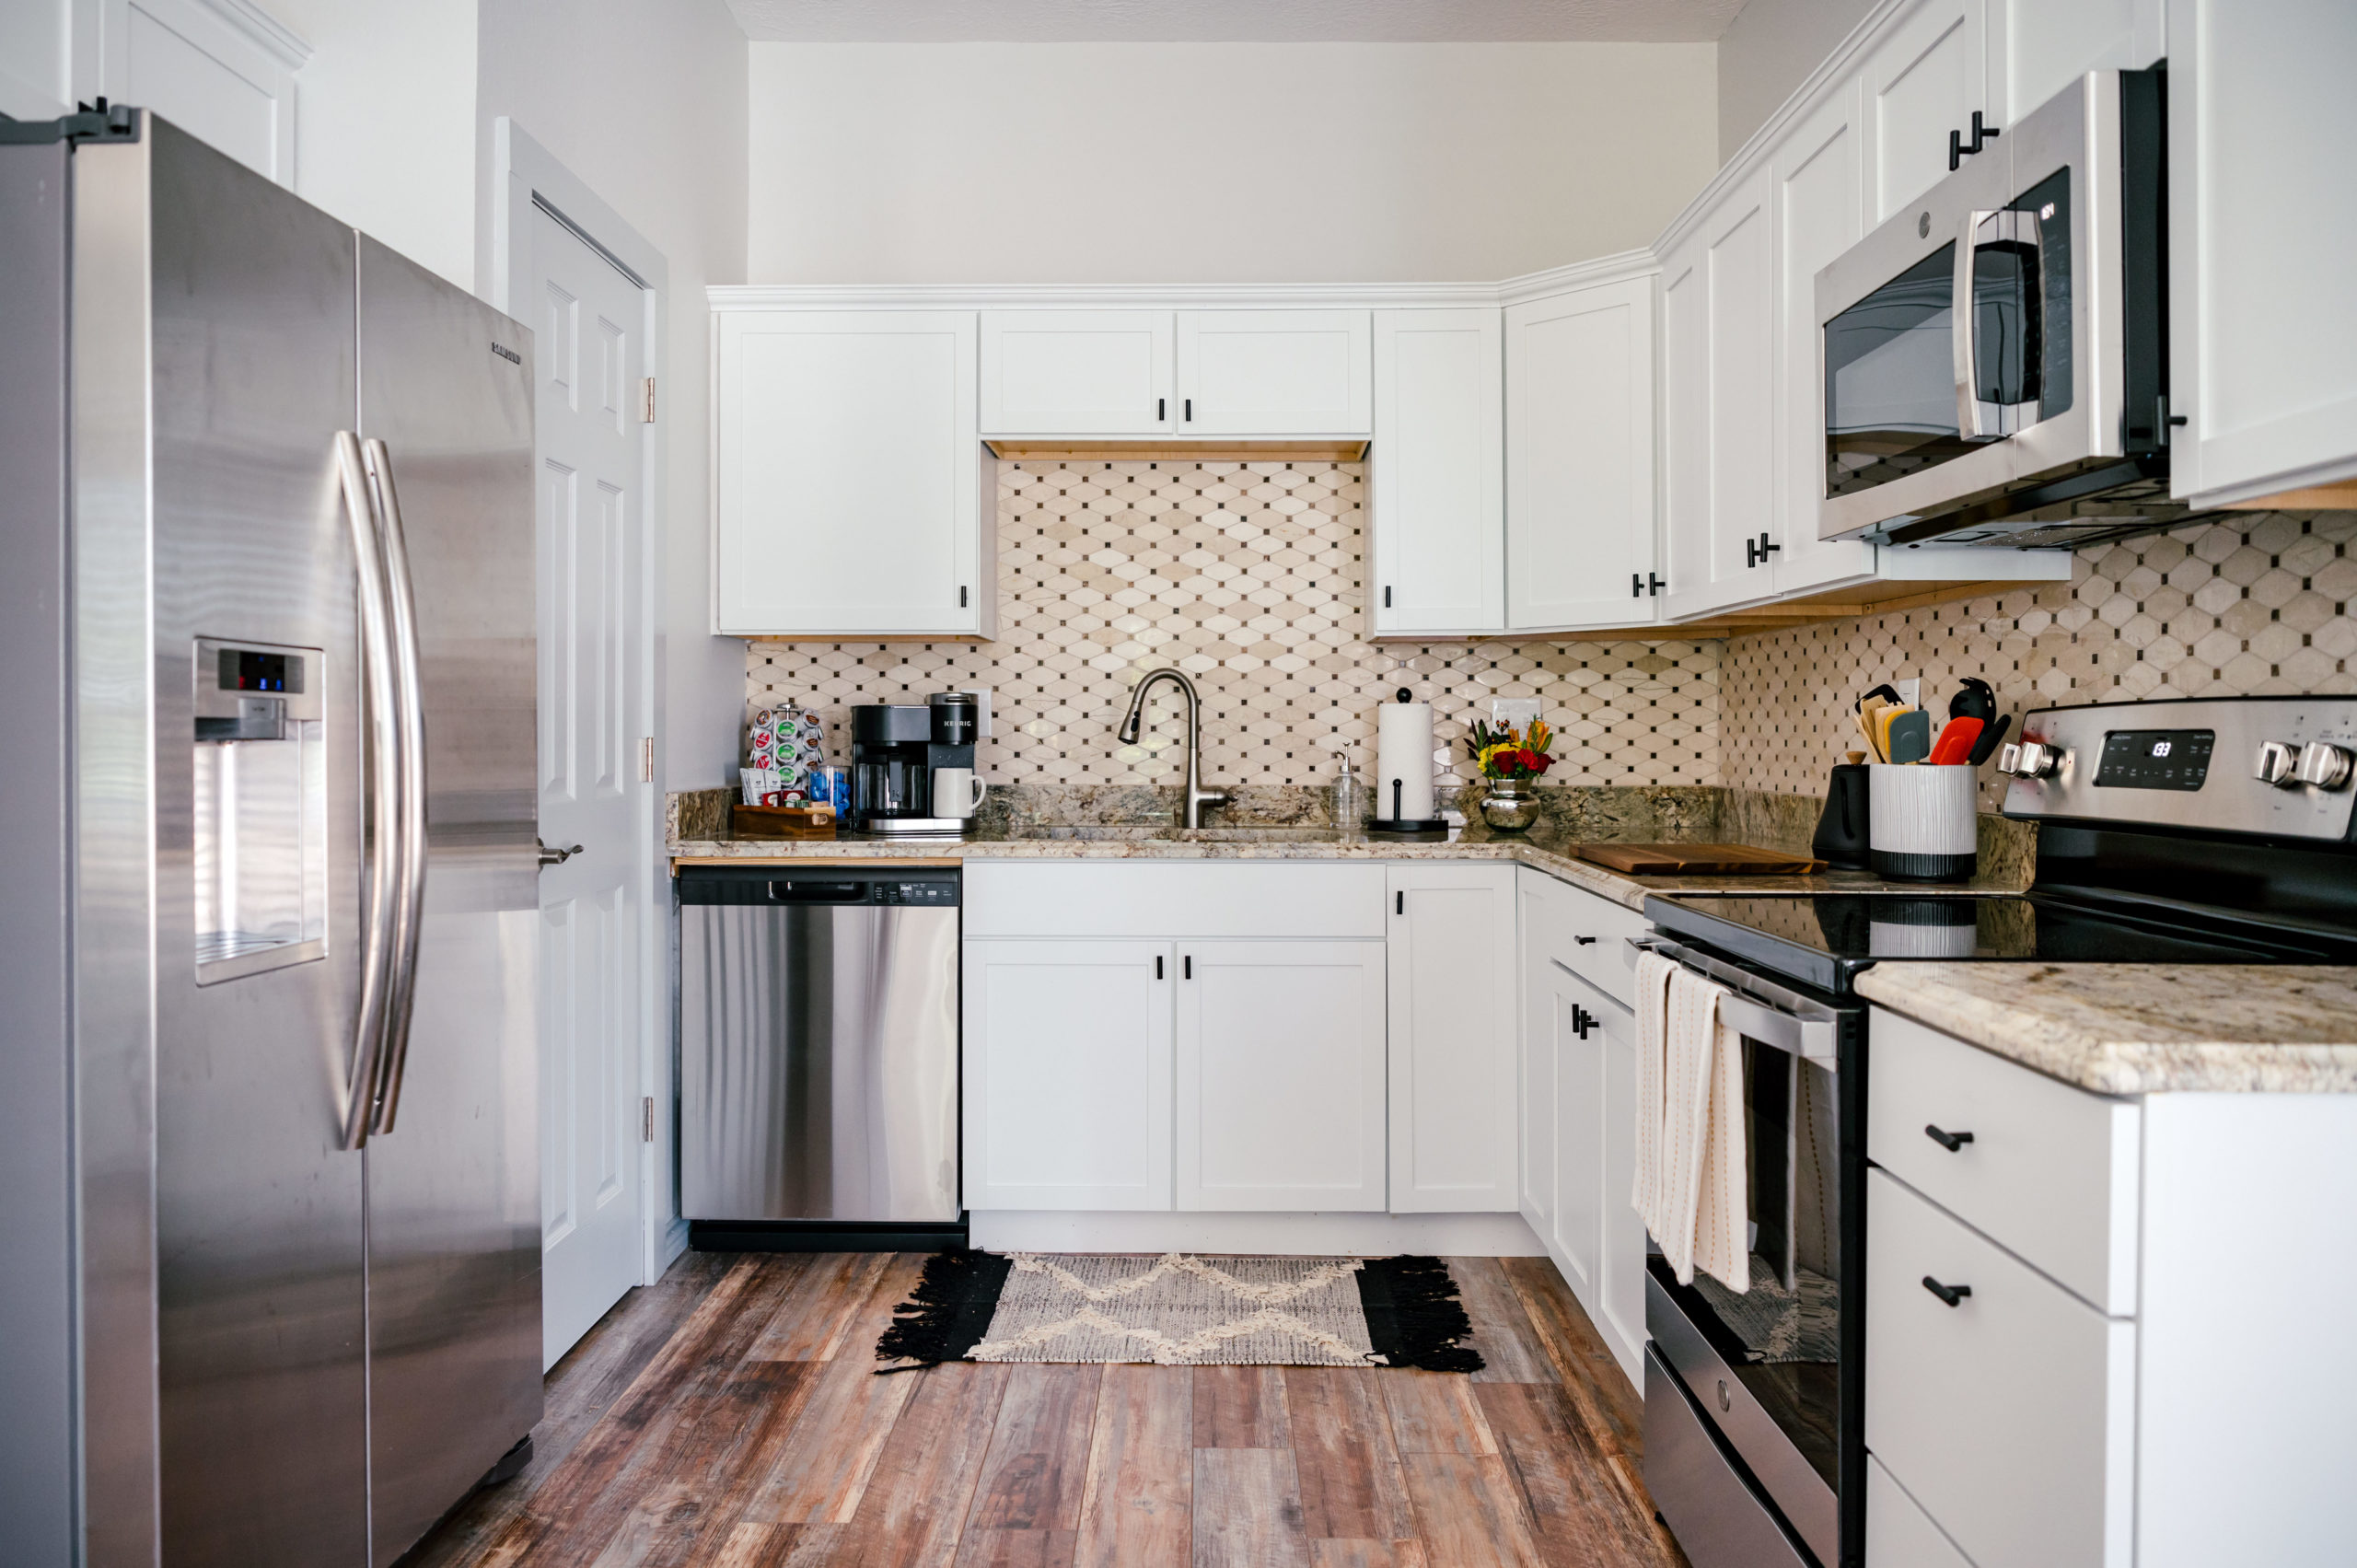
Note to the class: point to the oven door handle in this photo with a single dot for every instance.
(1784, 1021)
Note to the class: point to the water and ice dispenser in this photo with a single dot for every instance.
(260, 819)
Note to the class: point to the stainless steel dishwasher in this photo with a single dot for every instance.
(818, 1045)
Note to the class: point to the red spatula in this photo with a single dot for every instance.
(1956, 741)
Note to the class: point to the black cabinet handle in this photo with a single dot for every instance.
(1653, 586)
(1955, 151)
(1157, 966)
(1952, 1295)
(1161, 408)
(1186, 966)
(1951, 1142)
(1960, 149)
(1190, 406)
(961, 598)
(1398, 901)
(1387, 598)
(1583, 941)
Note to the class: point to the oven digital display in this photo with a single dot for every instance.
(2156, 759)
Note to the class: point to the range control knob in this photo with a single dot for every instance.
(2276, 764)
(2031, 759)
(2323, 764)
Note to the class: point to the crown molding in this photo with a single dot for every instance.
(1616, 268)
(1109, 296)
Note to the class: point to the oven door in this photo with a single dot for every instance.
(1957, 344)
(1772, 1369)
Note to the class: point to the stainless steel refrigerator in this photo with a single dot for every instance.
(268, 1100)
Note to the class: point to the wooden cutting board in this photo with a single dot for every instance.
(1699, 860)
(781, 821)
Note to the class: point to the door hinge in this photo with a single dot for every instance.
(649, 1103)
(646, 412)
(646, 760)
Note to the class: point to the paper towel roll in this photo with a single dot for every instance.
(1403, 752)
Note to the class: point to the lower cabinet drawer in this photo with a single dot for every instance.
(2008, 1415)
(1899, 1534)
(1593, 942)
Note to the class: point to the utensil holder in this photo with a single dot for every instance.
(1923, 827)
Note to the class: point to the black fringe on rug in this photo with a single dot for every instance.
(949, 1313)
(1413, 1317)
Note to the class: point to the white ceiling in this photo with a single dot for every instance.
(1235, 21)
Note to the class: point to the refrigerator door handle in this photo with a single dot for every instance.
(377, 697)
(409, 900)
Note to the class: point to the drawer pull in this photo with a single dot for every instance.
(1952, 1295)
(1951, 1142)
(1583, 941)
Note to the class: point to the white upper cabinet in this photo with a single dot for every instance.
(2038, 47)
(1077, 373)
(848, 496)
(1274, 373)
(1820, 213)
(1923, 80)
(2262, 229)
(1580, 522)
(1719, 295)
(1437, 511)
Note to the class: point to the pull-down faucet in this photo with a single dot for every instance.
(1190, 809)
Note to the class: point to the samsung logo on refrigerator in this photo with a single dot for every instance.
(509, 354)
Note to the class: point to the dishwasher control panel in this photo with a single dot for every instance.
(916, 892)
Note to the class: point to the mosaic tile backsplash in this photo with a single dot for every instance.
(1248, 577)
(2256, 604)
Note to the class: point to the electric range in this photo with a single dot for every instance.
(2169, 834)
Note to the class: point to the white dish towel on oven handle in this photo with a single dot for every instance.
(1691, 1188)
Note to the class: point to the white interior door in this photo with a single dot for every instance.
(589, 319)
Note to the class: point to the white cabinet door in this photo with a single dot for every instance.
(1537, 892)
(1068, 1075)
(848, 496)
(1820, 213)
(1580, 519)
(1077, 373)
(1451, 995)
(2262, 225)
(1922, 80)
(2036, 48)
(1622, 1252)
(1280, 1076)
(1438, 510)
(1720, 356)
(1575, 1025)
(1274, 373)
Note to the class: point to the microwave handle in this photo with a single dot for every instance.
(1975, 420)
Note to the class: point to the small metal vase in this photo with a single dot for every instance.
(1510, 806)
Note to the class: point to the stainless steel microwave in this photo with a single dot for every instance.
(1995, 358)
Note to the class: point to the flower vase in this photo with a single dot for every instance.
(1510, 806)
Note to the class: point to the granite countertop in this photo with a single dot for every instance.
(2144, 1028)
(1550, 848)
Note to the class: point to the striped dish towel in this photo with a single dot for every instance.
(1690, 1167)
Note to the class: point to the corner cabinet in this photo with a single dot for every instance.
(1580, 519)
(848, 476)
(1454, 1142)
(1436, 514)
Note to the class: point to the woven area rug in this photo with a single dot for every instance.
(1183, 1310)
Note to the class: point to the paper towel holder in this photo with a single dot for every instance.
(1395, 823)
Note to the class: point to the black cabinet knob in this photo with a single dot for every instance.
(1583, 941)
(1951, 1295)
(1951, 1142)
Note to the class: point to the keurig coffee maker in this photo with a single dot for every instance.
(894, 751)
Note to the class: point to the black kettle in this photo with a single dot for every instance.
(1842, 831)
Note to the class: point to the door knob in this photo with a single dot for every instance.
(556, 856)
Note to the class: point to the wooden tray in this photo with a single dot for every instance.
(781, 821)
(1699, 860)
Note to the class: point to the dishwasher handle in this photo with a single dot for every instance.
(807, 891)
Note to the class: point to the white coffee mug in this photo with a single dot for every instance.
(957, 792)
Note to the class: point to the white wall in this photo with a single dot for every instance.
(384, 115)
(1216, 163)
(1768, 50)
(644, 101)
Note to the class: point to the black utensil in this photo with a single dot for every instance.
(1986, 747)
(1888, 694)
(1978, 699)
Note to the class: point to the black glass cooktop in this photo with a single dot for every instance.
(1824, 940)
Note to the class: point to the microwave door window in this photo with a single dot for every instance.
(1891, 379)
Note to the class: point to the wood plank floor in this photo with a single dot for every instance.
(730, 1416)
